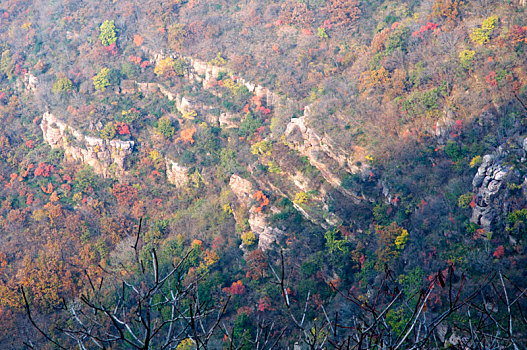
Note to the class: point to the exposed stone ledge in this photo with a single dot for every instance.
(93, 151)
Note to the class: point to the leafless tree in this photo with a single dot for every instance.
(487, 315)
(153, 311)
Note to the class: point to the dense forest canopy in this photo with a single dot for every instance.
(307, 174)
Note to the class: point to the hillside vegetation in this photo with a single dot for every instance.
(333, 173)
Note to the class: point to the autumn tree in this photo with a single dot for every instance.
(165, 128)
(144, 303)
(62, 84)
(102, 80)
(392, 240)
(296, 13)
(138, 40)
(109, 131)
(108, 33)
(447, 9)
(176, 34)
(343, 12)
(165, 67)
(125, 194)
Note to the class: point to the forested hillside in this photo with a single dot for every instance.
(335, 174)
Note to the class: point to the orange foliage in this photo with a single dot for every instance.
(197, 244)
(295, 13)
(447, 9)
(3, 261)
(343, 12)
(138, 40)
(193, 3)
(54, 211)
(262, 198)
(257, 101)
(518, 35)
(187, 135)
(48, 189)
(126, 195)
(237, 288)
(257, 264)
(54, 197)
(135, 59)
(26, 173)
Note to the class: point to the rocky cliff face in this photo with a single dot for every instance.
(267, 235)
(210, 72)
(98, 153)
(490, 184)
(319, 151)
(176, 173)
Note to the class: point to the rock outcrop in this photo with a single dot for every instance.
(182, 103)
(490, 183)
(102, 155)
(267, 235)
(176, 174)
(31, 82)
(205, 73)
(318, 150)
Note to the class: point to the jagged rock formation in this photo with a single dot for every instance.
(490, 183)
(30, 82)
(182, 103)
(176, 174)
(316, 147)
(209, 73)
(267, 235)
(205, 73)
(228, 120)
(102, 155)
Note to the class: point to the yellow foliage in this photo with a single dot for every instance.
(164, 66)
(261, 148)
(482, 35)
(197, 180)
(186, 344)
(248, 238)
(234, 87)
(155, 155)
(218, 60)
(227, 208)
(54, 197)
(210, 257)
(372, 78)
(39, 215)
(475, 162)
(190, 115)
(401, 240)
(300, 198)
